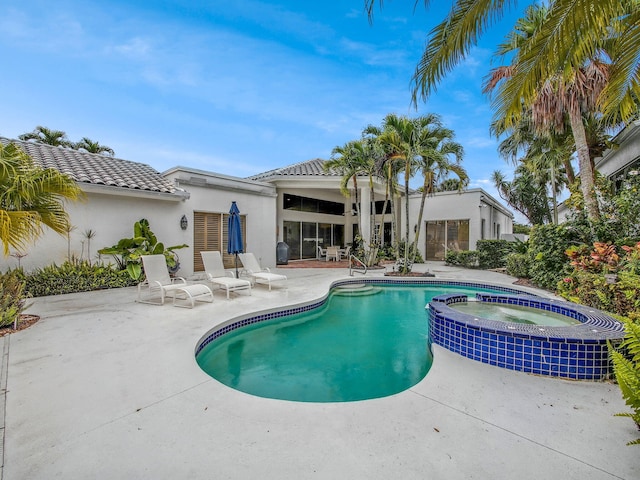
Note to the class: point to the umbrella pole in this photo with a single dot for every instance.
(237, 275)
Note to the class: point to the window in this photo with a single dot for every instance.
(312, 205)
(445, 235)
(210, 234)
(303, 238)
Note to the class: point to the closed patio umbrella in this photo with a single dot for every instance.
(234, 245)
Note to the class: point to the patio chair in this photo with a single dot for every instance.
(159, 283)
(256, 272)
(322, 252)
(217, 275)
(333, 253)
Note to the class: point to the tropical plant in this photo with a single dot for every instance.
(411, 143)
(525, 193)
(439, 156)
(30, 198)
(518, 265)
(74, 276)
(451, 185)
(12, 298)
(550, 48)
(127, 251)
(559, 99)
(90, 146)
(626, 366)
(547, 246)
(89, 234)
(41, 134)
(493, 253)
(348, 160)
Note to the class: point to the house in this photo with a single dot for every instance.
(616, 162)
(300, 204)
(119, 192)
(311, 209)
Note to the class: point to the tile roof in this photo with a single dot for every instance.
(96, 169)
(313, 167)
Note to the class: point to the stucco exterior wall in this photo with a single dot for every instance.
(213, 193)
(472, 205)
(111, 217)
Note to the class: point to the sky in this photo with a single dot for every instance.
(234, 87)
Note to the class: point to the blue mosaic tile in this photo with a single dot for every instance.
(578, 351)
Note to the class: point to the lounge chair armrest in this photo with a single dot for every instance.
(266, 269)
(175, 280)
(231, 274)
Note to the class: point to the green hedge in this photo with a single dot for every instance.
(547, 246)
(493, 253)
(463, 258)
(518, 265)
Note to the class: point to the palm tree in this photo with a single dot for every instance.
(525, 193)
(451, 185)
(387, 168)
(572, 34)
(41, 134)
(437, 147)
(409, 141)
(565, 96)
(90, 146)
(349, 161)
(30, 198)
(398, 138)
(545, 160)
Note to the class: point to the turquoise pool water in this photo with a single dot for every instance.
(354, 347)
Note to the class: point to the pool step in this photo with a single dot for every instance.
(356, 289)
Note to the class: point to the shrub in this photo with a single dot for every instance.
(463, 258)
(493, 253)
(75, 276)
(547, 246)
(12, 298)
(518, 265)
(603, 279)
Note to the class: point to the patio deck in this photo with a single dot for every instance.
(106, 388)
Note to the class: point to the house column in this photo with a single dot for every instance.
(365, 215)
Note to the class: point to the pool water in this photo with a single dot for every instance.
(515, 314)
(354, 347)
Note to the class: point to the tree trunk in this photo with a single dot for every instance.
(407, 176)
(417, 236)
(587, 183)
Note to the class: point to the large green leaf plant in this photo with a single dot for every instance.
(127, 251)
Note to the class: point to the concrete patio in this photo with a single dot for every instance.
(105, 388)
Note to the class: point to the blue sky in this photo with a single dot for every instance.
(235, 87)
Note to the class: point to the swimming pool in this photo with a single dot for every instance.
(341, 348)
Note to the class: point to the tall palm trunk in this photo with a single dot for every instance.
(407, 177)
(587, 183)
(423, 200)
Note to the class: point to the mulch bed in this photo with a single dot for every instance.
(24, 321)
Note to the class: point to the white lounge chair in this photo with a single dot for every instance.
(256, 272)
(321, 252)
(158, 282)
(217, 275)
